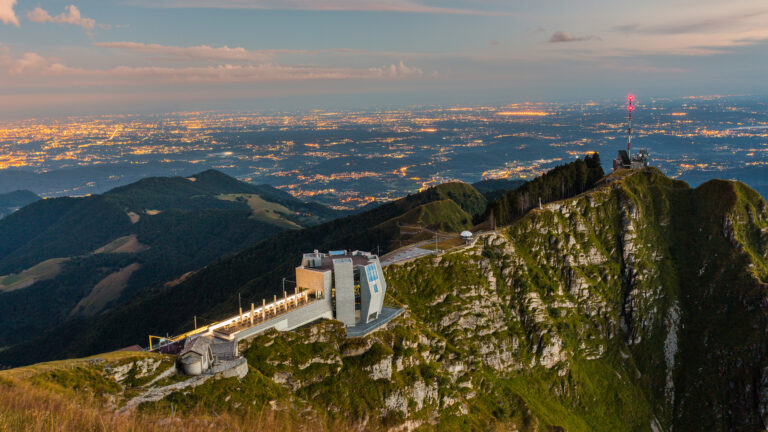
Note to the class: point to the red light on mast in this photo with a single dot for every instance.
(630, 108)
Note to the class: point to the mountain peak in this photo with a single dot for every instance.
(212, 174)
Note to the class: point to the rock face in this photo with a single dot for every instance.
(381, 369)
(139, 369)
(639, 305)
(641, 296)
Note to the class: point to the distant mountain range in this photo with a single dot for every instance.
(93, 179)
(12, 201)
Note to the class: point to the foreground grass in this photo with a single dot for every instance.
(27, 408)
(30, 402)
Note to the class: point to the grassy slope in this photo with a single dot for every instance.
(265, 210)
(723, 282)
(47, 269)
(77, 395)
(444, 215)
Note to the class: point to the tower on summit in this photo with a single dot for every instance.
(625, 159)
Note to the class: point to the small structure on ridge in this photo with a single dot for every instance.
(625, 158)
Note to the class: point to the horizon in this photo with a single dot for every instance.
(87, 57)
(620, 100)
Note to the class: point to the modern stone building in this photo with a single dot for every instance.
(352, 283)
(347, 286)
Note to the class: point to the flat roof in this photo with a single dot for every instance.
(327, 263)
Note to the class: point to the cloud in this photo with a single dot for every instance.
(706, 25)
(5, 54)
(626, 28)
(34, 64)
(201, 52)
(28, 63)
(399, 70)
(71, 15)
(405, 6)
(561, 36)
(223, 53)
(7, 15)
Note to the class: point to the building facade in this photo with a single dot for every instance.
(197, 355)
(352, 283)
(347, 286)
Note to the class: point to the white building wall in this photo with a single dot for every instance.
(371, 292)
(344, 279)
(383, 288)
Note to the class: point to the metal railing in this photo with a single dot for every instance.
(226, 328)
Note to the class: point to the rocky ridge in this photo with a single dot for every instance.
(639, 305)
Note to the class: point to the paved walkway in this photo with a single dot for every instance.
(405, 254)
(387, 314)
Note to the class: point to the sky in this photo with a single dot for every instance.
(76, 57)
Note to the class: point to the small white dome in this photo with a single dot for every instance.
(466, 234)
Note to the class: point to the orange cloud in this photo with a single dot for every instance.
(7, 15)
(71, 15)
(28, 63)
(201, 52)
(33, 64)
(405, 6)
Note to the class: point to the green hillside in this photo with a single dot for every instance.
(444, 215)
(464, 195)
(160, 227)
(494, 188)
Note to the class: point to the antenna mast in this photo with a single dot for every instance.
(630, 108)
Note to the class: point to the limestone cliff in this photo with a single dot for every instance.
(639, 305)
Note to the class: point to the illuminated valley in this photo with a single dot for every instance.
(347, 159)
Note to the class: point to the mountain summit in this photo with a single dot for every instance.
(639, 305)
(636, 305)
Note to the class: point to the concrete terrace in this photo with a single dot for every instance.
(405, 254)
(387, 315)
